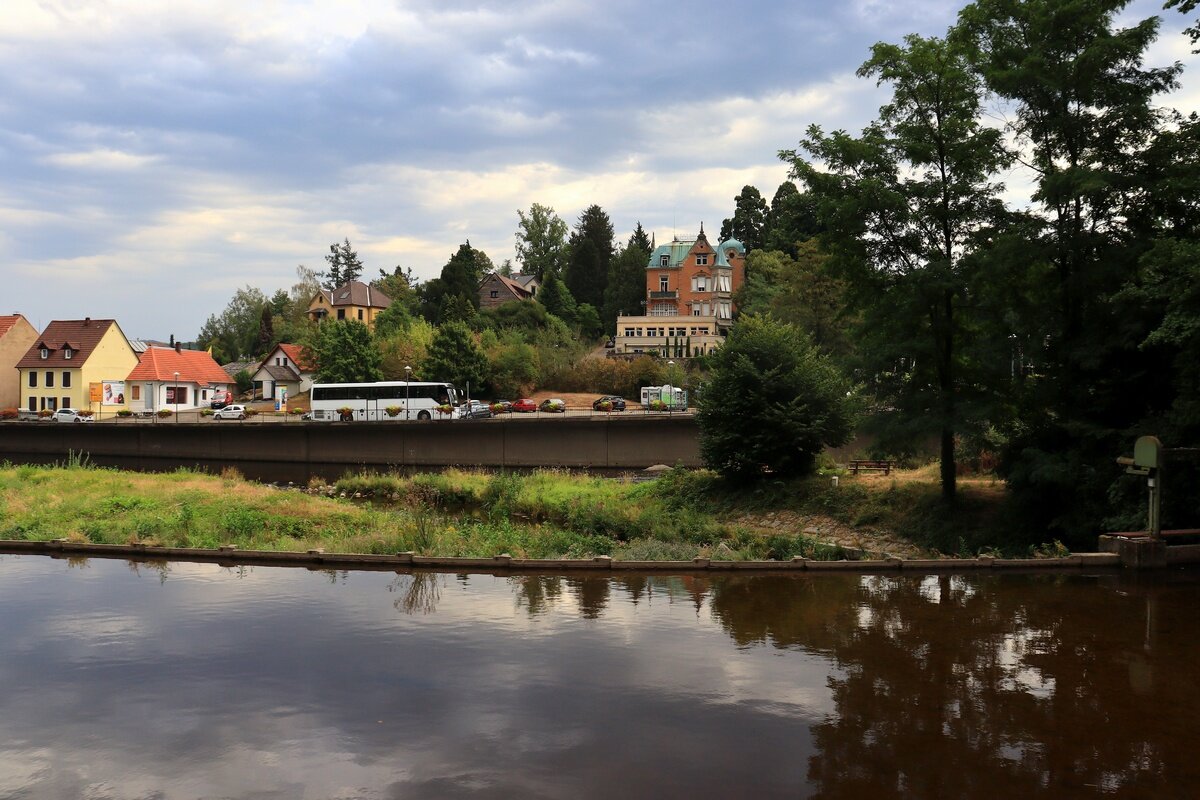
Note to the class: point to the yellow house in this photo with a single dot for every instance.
(16, 337)
(77, 363)
(354, 300)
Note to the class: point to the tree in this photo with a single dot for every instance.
(558, 300)
(1085, 114)
(772, 401)
(266, 333)
(1186, 7)
(903, 205)
(626, 289)
(344, 265)
(346, 353)
(392, 320)
(792, 218)
(399, 286)
(458, 279)
(455, 357)
(234, 332)
(541, 242)
(587, 275)
(513, 367)
(748, 220)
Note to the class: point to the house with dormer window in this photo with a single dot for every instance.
(689, 299)
(76, 363)
(350, 301)
(287, 371)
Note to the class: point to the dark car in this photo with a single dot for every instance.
(525, 406)
(502, 407)
(553, 405)
(618, 403)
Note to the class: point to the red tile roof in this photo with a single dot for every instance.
(299, 356)
(193, 366)
(6, 323)
(82, 334)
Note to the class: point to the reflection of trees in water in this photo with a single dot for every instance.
(591, 594)
(537, 593)
(162, 568)
(418, 591)
(988, 686)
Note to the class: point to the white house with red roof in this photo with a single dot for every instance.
(175, 379)
(288, 370)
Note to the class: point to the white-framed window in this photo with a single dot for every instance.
(663, 283)
(695, 311)
(664, 261)
(68, 352)
(701, 259)
(700, 283)
(45, 352)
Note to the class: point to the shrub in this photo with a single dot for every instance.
(445, 408)
(124, 412)
(658, 405)
(86, 413)
(346, 413)
(497, 408)
(251, 412)
(393, 411)
(772, 403)
(604, 405)
(206, 412)
(295, 411)
(163, 413)
(8, 413)
(44, 413)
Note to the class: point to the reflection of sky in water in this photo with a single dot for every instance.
(289, 683)
(198, 681)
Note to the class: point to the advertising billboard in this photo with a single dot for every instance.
(114, 393)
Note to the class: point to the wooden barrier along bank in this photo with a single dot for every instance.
(230, 555)
(298, 450)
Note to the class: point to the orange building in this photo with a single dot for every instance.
(689, 299)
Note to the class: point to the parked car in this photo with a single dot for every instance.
(506, 406)
(553, 405)
(230, 412)
(618, 403)
(477, 409)
(70, 415)
(525, 406)
(221, 399)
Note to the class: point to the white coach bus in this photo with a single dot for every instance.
(369, 402)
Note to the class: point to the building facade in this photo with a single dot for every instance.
(689, 299)
(175, 379)
(16, 337)
(354, 300)
(79, 363)
(496, 289)
(287, 371)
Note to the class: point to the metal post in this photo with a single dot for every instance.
(177, 397)
(407, 379)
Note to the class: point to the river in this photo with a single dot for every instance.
(122, 680)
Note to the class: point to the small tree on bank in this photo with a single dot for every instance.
(773, 401)
(346, 353)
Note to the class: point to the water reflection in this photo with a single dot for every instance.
(256, 682)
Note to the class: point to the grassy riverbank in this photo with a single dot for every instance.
(459, 513)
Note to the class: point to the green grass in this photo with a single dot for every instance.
(548, 514)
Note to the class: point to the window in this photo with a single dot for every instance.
(32, 379)
(66, 383)
(664, 261)
(49, 379)
(33, 404)
(137, 391)
(66, 402)
(663, 282)
(45, 352)
(700, 283)
(695, 311)
(277, 362)
(67, 353)
(341, 313)
(628, 332)
(360, 314)
(701, 259)
(639, 331)
(494, 294)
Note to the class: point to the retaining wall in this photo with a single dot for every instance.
(268, 449)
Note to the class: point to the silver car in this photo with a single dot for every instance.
(230, 412)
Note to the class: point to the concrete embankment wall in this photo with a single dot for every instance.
(295, 450)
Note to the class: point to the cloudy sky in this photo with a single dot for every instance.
(157, 155)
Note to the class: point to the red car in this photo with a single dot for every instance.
(524, 405)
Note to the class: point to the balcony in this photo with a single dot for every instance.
(672, 294)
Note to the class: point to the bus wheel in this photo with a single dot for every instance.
(424, 415)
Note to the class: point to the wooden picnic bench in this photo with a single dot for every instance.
(885, 467)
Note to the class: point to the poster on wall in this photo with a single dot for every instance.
(114, 393)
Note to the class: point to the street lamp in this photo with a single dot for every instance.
(407, 379)
(176, 397)
(671, 380)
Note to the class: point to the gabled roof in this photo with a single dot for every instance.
(234, 367)
(525, 280)
(81, 334)
(356, 293)
(193, 366)
(278, 372)
(678, 249)
(518, 291)
(7, 323)
(299, 356)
